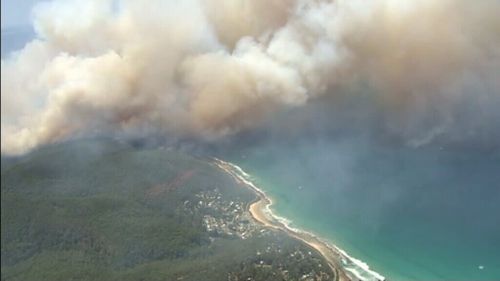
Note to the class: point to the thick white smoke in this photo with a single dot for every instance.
(209, 68)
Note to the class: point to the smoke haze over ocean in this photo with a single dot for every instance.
(373, 123)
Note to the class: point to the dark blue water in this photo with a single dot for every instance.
(429, 213)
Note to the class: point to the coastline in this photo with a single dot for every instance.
(337, 258)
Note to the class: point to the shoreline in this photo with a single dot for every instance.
(336, 258)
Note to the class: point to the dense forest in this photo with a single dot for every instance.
(106, 210)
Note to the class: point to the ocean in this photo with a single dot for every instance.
(427, 213)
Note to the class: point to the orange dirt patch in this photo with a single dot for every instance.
(176, 182)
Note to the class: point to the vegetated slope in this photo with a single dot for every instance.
(104, 210)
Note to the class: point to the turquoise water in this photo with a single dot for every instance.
(411, 213)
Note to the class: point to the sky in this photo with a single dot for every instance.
(16, 13)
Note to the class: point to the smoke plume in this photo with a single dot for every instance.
(208, 69)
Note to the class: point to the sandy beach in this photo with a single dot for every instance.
(261, 212)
